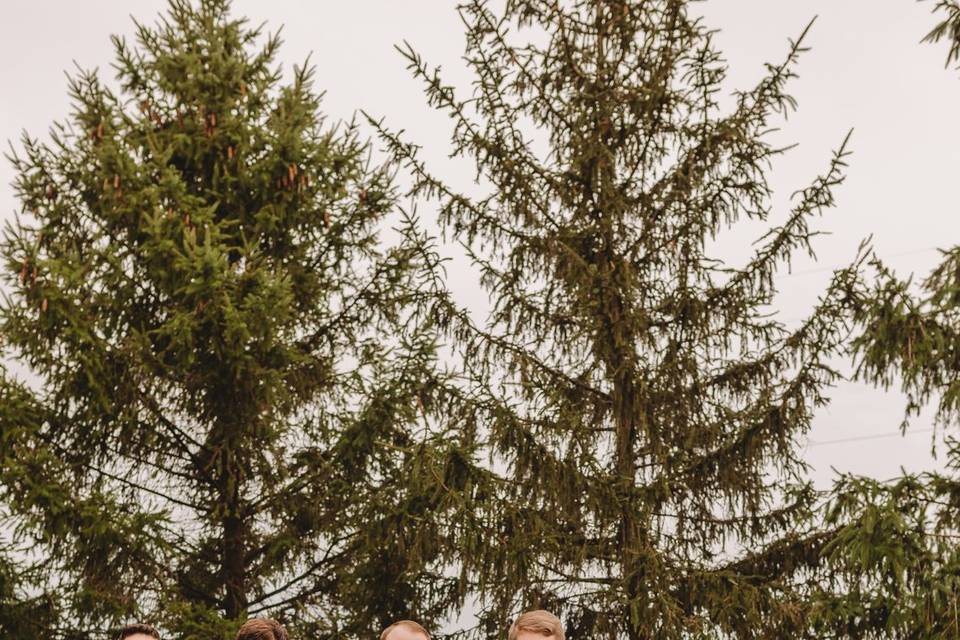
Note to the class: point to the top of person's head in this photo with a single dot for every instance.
(138, 628)
(262, 629)
(538, 622)
(409, 626)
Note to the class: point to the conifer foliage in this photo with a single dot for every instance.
(643, 410)
(948, 28)
(897, 551)
(24, 613)
(229, 374)
(896, 556)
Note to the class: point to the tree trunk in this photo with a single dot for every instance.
(234, 536)
(626, 472)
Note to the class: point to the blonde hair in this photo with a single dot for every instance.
(539, 621)
(408, 624)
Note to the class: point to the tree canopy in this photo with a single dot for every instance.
(230, 372)
(643, 409)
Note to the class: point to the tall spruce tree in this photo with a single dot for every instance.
(230, 372)
(643, 408)
(896, 558)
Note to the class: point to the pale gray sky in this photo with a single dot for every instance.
(866, 70)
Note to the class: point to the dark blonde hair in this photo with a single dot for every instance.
(408, 624)
(138, 627)
(539, 621)
(262, 629)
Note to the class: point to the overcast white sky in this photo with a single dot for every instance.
(866, 70)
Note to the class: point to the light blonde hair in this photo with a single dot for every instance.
(407, 624)
(539, 621)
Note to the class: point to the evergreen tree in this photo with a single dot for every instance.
(896, 557)
(895, 560)
(643, 408)
(231, 374)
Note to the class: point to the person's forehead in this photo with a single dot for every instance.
(139, 636)
(404, 633)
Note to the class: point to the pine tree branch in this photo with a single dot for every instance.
(328, 557)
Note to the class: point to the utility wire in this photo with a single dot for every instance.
(807, 272)
(876, 436)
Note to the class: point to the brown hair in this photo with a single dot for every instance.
(138, 627)
(409, 624)
(539, 621)
(262, 629)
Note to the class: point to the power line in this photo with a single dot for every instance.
(790, 321)
(876, 436)
(807, 272)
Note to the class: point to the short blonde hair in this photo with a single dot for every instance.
(408, 624)
(539, 621)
